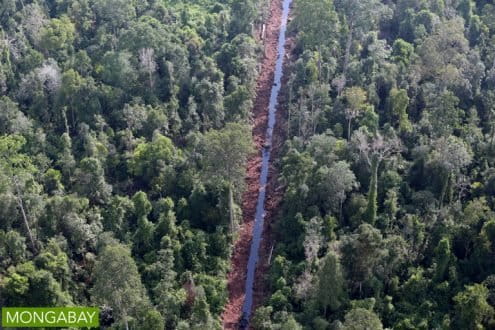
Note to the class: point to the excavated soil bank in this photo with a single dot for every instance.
(237, 276)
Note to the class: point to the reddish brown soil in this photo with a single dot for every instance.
(237, 275)
(275, 190)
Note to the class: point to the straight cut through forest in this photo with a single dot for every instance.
(134, 154)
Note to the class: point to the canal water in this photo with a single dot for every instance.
(266, 153)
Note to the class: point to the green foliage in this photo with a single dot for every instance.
(409, 85)
(226, 152)
(243, 15)
(118, 284)
(26, 285)
(443, 258)
(362, 254)
(113, 117)
(154, 162)
(13, 162)
(124, 138)
(402, 51)
(356, 98)
(472, 307)
(334, 183)
(317, 20)
(372, 206)
(57, 37)
(90, 181)
(262, 318)
(360, 318)
(13, 248)
(488, 233)
(225, 155)
(399, 101)
(330, 292)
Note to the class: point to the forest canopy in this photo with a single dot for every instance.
(126, 128)
(388, 168)
(112, 114)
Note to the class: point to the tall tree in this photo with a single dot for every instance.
(330, 290)
(334, 184)
(358, 16)
(356, 104)
(18, 168)
(361, 254)
(225, 156)
(442, 115)
(243, 15)
(362, 319)
(115, 14)
(446, 59)
(451, 155)
(118, 284)
(57, 37)
(443, 257)
(155, 162)
(375, 149)
(148, 64)
(473, 310)
(90, 181)
(398, 102)
(319, 21)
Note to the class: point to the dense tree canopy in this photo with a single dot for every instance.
(125, 129)
(124, 133)
(403, 141)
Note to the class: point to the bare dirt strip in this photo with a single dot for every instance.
(240, 256)
(275, 190)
